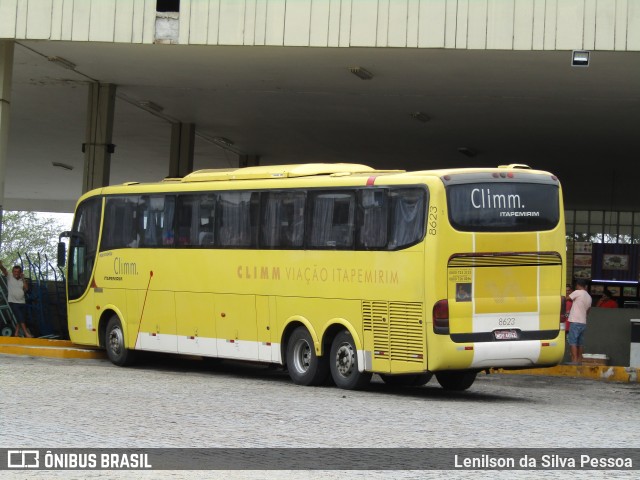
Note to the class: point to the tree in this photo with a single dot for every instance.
(29, 233)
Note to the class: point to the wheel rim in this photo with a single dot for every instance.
(345, 359)
(302, 356)
(7, 332)
(116, 341)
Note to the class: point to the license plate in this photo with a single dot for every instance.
(506, 334)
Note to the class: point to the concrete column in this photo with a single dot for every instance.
(98, 147)
(248, 160)
(183, 136)
(6, 70)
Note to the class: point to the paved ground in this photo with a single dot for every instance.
(54, 403)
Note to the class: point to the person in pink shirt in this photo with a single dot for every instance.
(567, 309)
(578, 320)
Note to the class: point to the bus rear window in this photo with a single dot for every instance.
(503, 207)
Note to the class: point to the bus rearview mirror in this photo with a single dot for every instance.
(62, 254)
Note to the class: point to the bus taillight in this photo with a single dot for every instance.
(563, 312)
(441, 317)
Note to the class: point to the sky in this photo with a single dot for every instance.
(64, 218)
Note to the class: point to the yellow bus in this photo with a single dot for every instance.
(334, 271)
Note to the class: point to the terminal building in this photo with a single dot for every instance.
(98, 92)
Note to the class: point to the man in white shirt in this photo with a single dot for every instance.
(578, 320)
(16, 286)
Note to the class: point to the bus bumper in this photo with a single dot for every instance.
(448, 355)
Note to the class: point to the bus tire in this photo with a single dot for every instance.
(304, 366)
(115, 345)
(344, 363)
(456, 381)
(413, 380)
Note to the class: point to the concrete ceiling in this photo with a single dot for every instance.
(295, 105)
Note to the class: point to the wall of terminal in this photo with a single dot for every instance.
(599, 226)
(605, 233)
(457, 24)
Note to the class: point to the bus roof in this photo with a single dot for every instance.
(281, 171)
(298, 171)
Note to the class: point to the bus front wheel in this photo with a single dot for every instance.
(456, 381)
(114, 343)
(305, 367)
(344, 363)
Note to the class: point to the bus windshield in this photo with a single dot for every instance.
(503, 206)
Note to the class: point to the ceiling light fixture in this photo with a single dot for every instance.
(63, 62)
(62, 165)
(421, 117)
(149, 105)
(580, 58)
(222, 141)
(468, 151)
(361, 73)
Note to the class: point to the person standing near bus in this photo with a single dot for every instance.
(567, 310)
(578, 320)
(16, 286)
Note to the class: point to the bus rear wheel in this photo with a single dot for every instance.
(115, 345)
(305, 367)
(456, 381)
(344, 363)
(413, 380)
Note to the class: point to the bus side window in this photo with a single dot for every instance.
(121, 223)
(332, 221)
(187, 225)
(282, 224)
(206, 220)
(293, 226)
(373, 217)
(270, 225)
(237, 221)
(407, 216)
(155, 210)
(168, 234)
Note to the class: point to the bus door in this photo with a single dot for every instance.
(83, 246)
(236, 329)
(83, 318)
